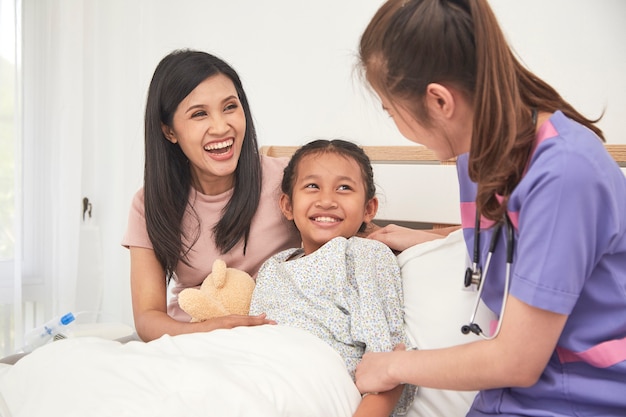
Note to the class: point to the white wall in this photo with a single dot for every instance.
(296, 60)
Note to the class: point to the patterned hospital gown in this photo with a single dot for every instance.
(348, 293)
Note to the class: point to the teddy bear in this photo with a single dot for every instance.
(224, 291)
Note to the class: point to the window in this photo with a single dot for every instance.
(8, 173)
(7, 130)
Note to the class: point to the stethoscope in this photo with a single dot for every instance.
(474, 274)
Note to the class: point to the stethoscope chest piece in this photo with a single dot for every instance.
(473, 276)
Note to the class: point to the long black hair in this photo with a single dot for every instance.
(167, 175)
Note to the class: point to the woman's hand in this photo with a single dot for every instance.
(400, 238)
(236, 320)
(149, 295)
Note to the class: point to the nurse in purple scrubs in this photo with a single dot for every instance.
(529, 163)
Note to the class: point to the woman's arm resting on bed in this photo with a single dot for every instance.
(400, 238)
(148, 289)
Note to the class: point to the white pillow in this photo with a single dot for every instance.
(436, 306)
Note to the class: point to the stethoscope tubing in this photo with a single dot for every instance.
(480, 288)
(473, 327)
(475, 275)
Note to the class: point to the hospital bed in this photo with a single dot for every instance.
(269, 370)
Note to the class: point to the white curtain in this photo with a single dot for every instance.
(81, 137)
(49, 194)
(9, 148)
(82, 94)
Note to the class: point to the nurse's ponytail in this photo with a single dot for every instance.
(411, 43)
(505, 98)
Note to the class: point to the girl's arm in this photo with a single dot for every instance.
(516, 357)
(379, 405)
(149, 298)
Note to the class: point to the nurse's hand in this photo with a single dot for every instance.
(400, 238)
(372, 374)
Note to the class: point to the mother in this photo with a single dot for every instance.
(207, 193)
(447, 77)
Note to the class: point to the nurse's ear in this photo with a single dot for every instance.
(440, 101)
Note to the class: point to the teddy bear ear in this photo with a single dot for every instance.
(219, 273)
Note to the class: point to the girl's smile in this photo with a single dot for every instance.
(328, 199)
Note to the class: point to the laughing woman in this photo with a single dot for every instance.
(207, 193)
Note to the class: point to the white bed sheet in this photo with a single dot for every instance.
(248, 371)
(259, 371)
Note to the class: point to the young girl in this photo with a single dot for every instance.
(527, 161)
(344, 289)
(207, 192)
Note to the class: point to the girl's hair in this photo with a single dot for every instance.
(411, 43)
(167, 175)
(340, 147)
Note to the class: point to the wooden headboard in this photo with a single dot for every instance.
(377, 154)
(436, 193)
(413, 154)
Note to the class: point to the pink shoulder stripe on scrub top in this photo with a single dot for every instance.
(468, 217)
(602, 355)
(468, 209)
(546, 131)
